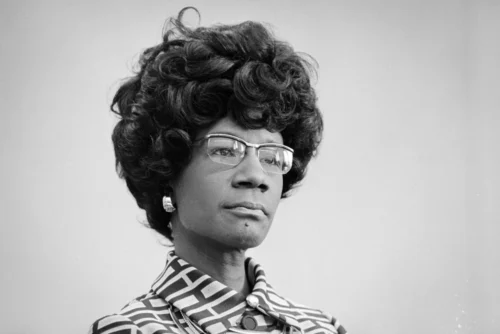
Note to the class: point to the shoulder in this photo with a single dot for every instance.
(143, 315)
(311, 320)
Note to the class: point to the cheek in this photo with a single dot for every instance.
(198, 193)
(276, 189)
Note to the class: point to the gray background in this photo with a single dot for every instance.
(396, 228)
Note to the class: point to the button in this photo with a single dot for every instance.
(248, 322)
(252, 301)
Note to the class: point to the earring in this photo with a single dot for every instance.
(167, 204)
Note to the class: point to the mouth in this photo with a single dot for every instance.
(247, 207)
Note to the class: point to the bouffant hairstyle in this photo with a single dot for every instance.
(192, 79)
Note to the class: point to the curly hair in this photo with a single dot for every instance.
(196, 77)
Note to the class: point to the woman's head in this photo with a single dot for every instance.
(234, 79)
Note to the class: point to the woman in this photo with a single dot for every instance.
(218, 125)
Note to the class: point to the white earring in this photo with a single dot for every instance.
(167, 204)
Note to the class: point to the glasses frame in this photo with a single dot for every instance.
(247, 145)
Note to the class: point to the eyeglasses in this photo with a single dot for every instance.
(230, 150)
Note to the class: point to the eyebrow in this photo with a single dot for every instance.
(267, 140)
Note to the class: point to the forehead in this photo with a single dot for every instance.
(257, 136)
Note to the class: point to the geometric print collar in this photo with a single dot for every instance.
(213, 306)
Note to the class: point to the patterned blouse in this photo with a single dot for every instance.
(183, 300)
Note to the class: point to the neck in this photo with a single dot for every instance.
(222, 264)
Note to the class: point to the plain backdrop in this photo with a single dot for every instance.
(395, 229)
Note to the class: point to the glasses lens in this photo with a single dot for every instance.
(275, 159)
(225, 150)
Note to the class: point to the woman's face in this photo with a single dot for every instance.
(214, 200)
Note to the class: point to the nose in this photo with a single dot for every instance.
(249, 173)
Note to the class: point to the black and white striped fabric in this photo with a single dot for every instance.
(211, 307)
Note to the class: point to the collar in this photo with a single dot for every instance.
(212, 305)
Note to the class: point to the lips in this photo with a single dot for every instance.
(247, 205)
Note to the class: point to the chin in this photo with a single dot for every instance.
(247, 243)
(245, 238)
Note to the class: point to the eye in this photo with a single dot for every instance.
(270, 157)
(225, 152)
(270, 161)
